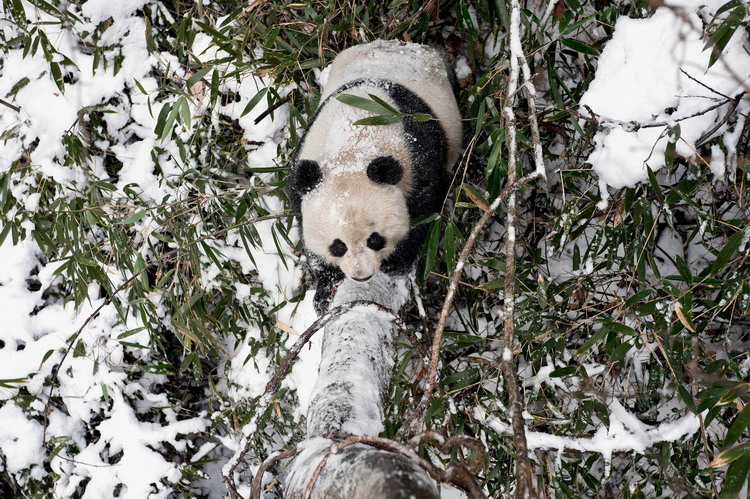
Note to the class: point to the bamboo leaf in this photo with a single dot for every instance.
(579, 46)
(727, 252)
(197, 76)
(254, 101)
(740, 423)
(380, 120)
(134, 218)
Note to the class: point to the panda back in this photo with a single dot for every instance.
(418, 68)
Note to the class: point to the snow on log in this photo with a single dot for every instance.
(355, 372)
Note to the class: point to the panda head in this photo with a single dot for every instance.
(353, 220)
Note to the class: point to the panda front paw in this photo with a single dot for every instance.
(323, 296)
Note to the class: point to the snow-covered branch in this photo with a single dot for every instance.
(626, 433)
(355, 371)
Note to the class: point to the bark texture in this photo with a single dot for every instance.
(355, 372)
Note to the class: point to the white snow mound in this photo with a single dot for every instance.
(644, 78)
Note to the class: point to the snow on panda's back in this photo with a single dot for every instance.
(359, 187)
(419, 68)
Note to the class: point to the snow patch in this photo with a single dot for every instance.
(646, 75)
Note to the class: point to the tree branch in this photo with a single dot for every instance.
(634, 126)
(524, 481)
(357, 361)
(274, 383)
(10, 106)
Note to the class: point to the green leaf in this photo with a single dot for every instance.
(477, 197)
(738, 426)
(18, 86)
(591, 340)
(162, 237)
(214, 86)
(254, 101)
(169, 122)
(670, 153)
(451, 236)
(107, 186)
(433, 241)
(134, 345)
(719, 38)
(161, 120)
(727, 252)
(480, 119)
(197, 76)
(140, 87)
(579, 46)
(12, 382)
(366, 104)
(426, 219)
(79, 350)
(686, 397)
(421, 117)
(4, 233)
(381, 120)
(57, 75)
(571, 28)
(655, 185)
(189, 359)
(139, 268)
(46, 356)
(563, 371)
(737, 476)
(60, 446)
(730, 455)
(185, 112)
(130, 332)
(134, 218)
(388, 107)
(492, 285)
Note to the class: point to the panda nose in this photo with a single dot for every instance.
(362, 279)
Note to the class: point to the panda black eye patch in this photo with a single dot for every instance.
(385, 170)
(307, 175)
(337, 248)
(376, 242)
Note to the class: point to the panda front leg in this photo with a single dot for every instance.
(328, 278)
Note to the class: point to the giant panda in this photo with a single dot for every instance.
(358, 188)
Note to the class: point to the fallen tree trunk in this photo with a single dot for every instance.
(355, 372)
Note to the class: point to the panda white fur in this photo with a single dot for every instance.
(358, 188)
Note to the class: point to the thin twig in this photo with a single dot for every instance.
(273, 108)
(417, 413)
(707, 135)
(704, 85)
(530, 91)
(255, 493)
(9, 105)
(418, 345)
(634, 126)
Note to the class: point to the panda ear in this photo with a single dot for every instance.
(307, 175)
(385, 170)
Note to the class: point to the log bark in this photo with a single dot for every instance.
(355, 373)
